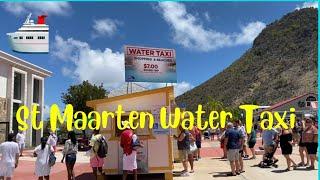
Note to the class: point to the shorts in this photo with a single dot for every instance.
(21, 146)
(183, 155)
(198, 143)
(130, 161)
(233, 154)
(6, 170)
(251, 144)
(71, 159)
(96, 162)
(312, 148)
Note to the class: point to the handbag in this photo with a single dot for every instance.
(51, 158)
(193, 147)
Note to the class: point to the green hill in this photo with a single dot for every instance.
(282, 63)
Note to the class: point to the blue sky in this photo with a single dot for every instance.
(87, 39)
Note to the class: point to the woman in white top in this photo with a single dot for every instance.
(42, 152)
(70, 153)
(20, 138)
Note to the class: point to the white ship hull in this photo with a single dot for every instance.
(20, 43)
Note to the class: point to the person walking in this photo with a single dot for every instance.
(221, 138)
(70, 154)
(96, 162)
(286, 143)
(52, 140)
(20, 138)
(198, 142)
(233, 144)
(183, 143)
(129, 142)
(192, 150)
(42, 152)
(9, 151)
(238, 127)
(302, 146)
(310, 138)
(252, 139)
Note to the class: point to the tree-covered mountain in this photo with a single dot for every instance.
(282, 63)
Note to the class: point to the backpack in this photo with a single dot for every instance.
(103, 147)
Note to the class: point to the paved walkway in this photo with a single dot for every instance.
(217, 168)
(209, 167)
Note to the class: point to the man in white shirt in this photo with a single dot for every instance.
(9, 151)
(20, 138)
(52, 140)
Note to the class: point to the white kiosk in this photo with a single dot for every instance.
(156, 156)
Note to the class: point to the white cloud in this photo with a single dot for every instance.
(179, 88)
(105, 27)
(182, 87)
(66, 71)
(97, 66)
(308, 5)
(249, 32)
(207, 16)
(57, 8)
(190, 32)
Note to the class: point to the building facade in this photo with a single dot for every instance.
(21, 83)
(304, 104)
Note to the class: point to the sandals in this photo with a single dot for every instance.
(300, 164)
(230, 174)
(310, 168)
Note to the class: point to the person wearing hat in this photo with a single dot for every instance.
(129, 142)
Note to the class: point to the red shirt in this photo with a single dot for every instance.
(126, 141)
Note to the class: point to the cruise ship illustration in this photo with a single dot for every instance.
(31, 37)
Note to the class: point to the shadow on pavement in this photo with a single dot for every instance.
(85, 176)
(279, 171)
(221, 174)
(140, 177)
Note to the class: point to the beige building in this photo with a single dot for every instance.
(21, 83)
(156, 155)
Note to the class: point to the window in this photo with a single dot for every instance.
(36, 90)
(29, 37)
(309, 100)
(41, 37)
(15, 37)
(21, 37)
(17, 89)
(15, 108)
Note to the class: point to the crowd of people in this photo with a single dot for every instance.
(12, 149)
(235, 143)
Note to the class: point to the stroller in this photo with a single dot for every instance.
(268, 158)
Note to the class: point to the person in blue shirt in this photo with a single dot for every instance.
(233, 144)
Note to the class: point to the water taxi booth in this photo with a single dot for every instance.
(156, 157)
